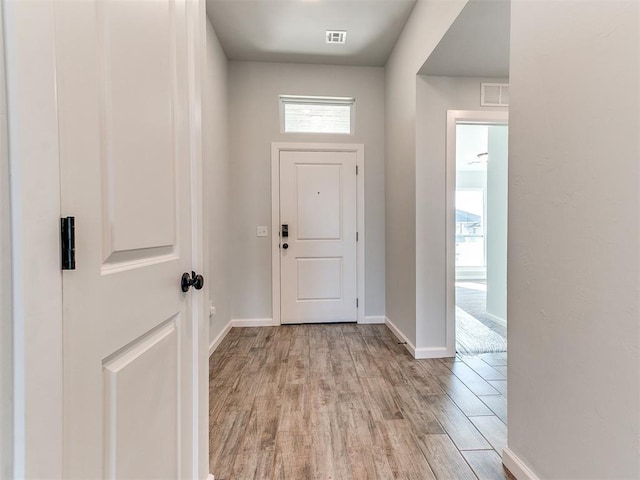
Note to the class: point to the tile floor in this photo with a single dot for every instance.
(347, 401)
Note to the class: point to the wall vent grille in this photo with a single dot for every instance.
(336, 36)
(494, 94)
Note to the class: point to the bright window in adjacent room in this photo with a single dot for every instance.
(316, 114)
(470, 228)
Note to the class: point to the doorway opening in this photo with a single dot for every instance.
(478, 233)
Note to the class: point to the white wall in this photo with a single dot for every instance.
(6, 365)
(254, 123)
(429, 21)
(574, 266)
(470, 141)
(216, 164)
(497, 208)
(471, 180)
(435, 95)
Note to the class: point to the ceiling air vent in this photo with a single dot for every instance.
(336, 36)
(494, 94)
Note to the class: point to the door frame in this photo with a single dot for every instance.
(481, 117)
(276, 148)
(6, 340)
(35, 236)
(37, 318)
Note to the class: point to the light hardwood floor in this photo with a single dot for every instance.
(346, 401)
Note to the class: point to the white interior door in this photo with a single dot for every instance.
(318, 257)
(123, 96)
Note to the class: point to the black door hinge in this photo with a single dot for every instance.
(68, 243)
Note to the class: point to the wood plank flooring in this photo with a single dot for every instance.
(346, 401)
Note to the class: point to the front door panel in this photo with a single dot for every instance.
(318, 267)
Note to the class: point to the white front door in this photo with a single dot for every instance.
(128, 347)
(318, 255)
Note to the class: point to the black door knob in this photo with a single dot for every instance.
(198, 282)
(193, 280)
(285, 245)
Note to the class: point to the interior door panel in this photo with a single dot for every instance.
(123, 104)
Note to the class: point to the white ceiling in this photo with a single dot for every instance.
(294, 30)
(476, 44)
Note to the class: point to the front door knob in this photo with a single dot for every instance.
(193, 280)
(285, 245)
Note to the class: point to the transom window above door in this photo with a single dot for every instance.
(304, 114)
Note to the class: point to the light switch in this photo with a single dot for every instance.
(262, 231)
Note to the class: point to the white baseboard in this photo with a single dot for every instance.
(418, 353)
(216, 341)
(242, 322)
(372, 320)
(400, 336)
(498, 320)
(516, 466)
(432, 352)
(253, 322)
